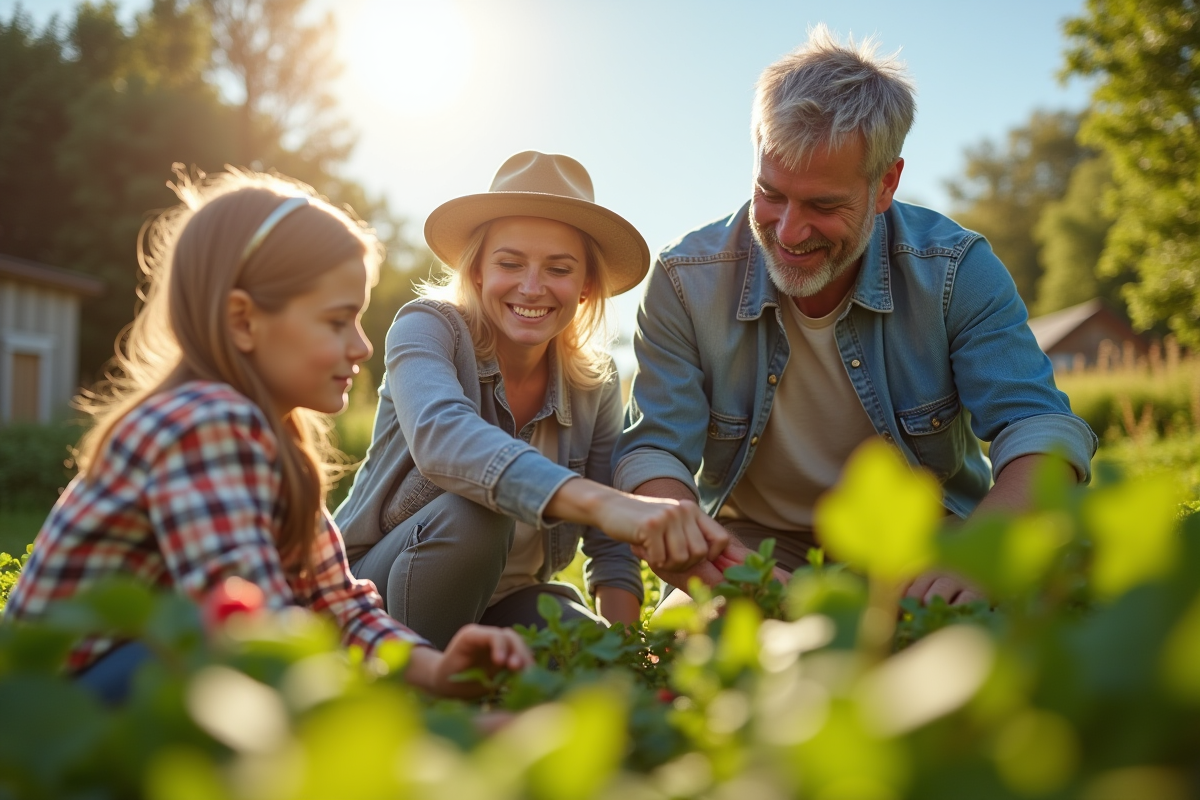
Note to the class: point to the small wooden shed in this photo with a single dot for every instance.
(1072, 337)
(39, 337)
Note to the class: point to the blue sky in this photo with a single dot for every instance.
(653, 96)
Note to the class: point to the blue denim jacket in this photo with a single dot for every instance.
(443, 424)
(934, 340)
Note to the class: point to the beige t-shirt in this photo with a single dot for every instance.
(816, 421)
(527, 553)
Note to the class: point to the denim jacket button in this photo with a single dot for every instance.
(713, 429)
(856, 363)
(887, 437)
(937, 423)
(753, 440)
(771, 379)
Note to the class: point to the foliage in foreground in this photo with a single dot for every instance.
(1084, 682)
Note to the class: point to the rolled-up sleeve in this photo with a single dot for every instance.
(610, 562)
(667, 416)
(1003, 377)
(451, 444)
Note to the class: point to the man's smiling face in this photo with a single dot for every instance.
(814, 221)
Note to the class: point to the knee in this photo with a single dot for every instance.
(472, 530)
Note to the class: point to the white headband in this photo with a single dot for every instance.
(282, 210)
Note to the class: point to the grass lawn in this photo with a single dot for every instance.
(17, 529)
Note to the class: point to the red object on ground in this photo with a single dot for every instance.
(231, 596)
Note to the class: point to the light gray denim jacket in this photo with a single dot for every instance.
(443, 424)
(934, 340)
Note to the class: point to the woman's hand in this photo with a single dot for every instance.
(490, 649)
(669, 534)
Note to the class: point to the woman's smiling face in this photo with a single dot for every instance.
(532, 277)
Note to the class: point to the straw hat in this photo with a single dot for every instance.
(533, 184)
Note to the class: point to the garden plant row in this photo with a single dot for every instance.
(1083, 681)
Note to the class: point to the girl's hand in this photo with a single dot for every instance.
(490, 649)
(671, 535)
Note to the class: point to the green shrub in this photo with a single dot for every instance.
(1084, 682)
(36, 463)
(1133, 401)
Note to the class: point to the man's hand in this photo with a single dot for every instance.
(953, 589)
(713, 572)
(490, 649)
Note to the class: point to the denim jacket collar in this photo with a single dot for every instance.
(558, 397)
(872, 290)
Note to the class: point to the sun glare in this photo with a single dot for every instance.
(413, 57)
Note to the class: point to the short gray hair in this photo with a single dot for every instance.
(824, 92)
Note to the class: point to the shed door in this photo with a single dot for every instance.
(27, 378)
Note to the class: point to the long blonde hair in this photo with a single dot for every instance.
(579, 348)
(191, 259)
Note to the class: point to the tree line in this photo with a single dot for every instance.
(96, 112)
(1099, 203)
(1105, 202)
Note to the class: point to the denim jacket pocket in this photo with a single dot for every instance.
(726, 434)
(933, 433)
(414, 493)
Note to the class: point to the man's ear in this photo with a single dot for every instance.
(241, 315)
(888, 185)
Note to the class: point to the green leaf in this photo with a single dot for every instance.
(1133, 526)
(738, 646)
(882, 516)
(548, 608)
(742, 573)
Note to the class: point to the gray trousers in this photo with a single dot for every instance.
(438, 569)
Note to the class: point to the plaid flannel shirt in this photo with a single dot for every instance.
(185, 493)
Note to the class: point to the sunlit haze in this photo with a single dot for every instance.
(654, 97)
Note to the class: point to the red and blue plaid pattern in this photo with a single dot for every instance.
(185, 494)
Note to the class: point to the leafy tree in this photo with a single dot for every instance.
(1071, 234)
(95, 114)
(1004, 189)
(283, 68)
(1146, 116)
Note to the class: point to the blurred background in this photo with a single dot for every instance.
(394, 106)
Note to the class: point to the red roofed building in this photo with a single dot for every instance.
(1074, 335)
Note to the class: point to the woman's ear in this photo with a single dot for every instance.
(241, 315)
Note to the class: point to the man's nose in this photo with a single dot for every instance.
(793, 226)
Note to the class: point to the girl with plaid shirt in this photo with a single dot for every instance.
(206, 459)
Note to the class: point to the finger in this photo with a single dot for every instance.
(501, 649)
(717, 538)
(655, 549)
(944, 588)
(678, 553)
(521, 656)
(919, 587)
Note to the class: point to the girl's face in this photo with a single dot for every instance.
(308, 352)
(532, 278)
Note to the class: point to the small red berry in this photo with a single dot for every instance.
(666, 696)
(229, 597)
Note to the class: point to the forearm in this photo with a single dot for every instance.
(1013, 491)
(665, 487)
(580, 500)
(617, 605)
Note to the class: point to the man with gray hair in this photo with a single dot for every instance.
(772, 343)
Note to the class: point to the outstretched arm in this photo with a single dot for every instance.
(1011, 494)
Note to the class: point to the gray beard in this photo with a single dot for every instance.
(806, 283)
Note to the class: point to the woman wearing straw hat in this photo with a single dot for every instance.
(491, 453)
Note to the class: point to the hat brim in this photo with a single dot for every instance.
(451, 224)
